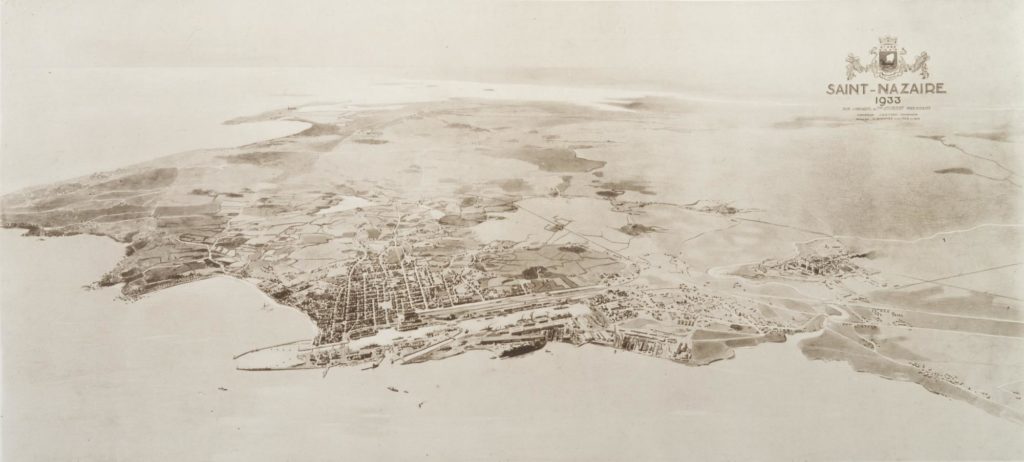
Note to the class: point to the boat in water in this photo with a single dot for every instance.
(522, 349)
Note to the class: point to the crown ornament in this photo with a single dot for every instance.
(887, 43)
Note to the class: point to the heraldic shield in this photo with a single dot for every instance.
(887, 61)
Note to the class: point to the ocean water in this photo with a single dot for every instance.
(89, 378)
(61, 123)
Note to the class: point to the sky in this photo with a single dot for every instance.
(737, 47)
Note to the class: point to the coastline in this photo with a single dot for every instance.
(167, 361)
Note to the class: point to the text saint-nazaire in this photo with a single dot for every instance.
(885, 89)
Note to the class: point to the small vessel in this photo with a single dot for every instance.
(374, 365)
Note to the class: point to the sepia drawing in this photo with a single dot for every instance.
(462, 261)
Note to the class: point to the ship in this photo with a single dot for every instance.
(522, 349)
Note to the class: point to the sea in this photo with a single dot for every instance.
(90, 377)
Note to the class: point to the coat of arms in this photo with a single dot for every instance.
(887, 61)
